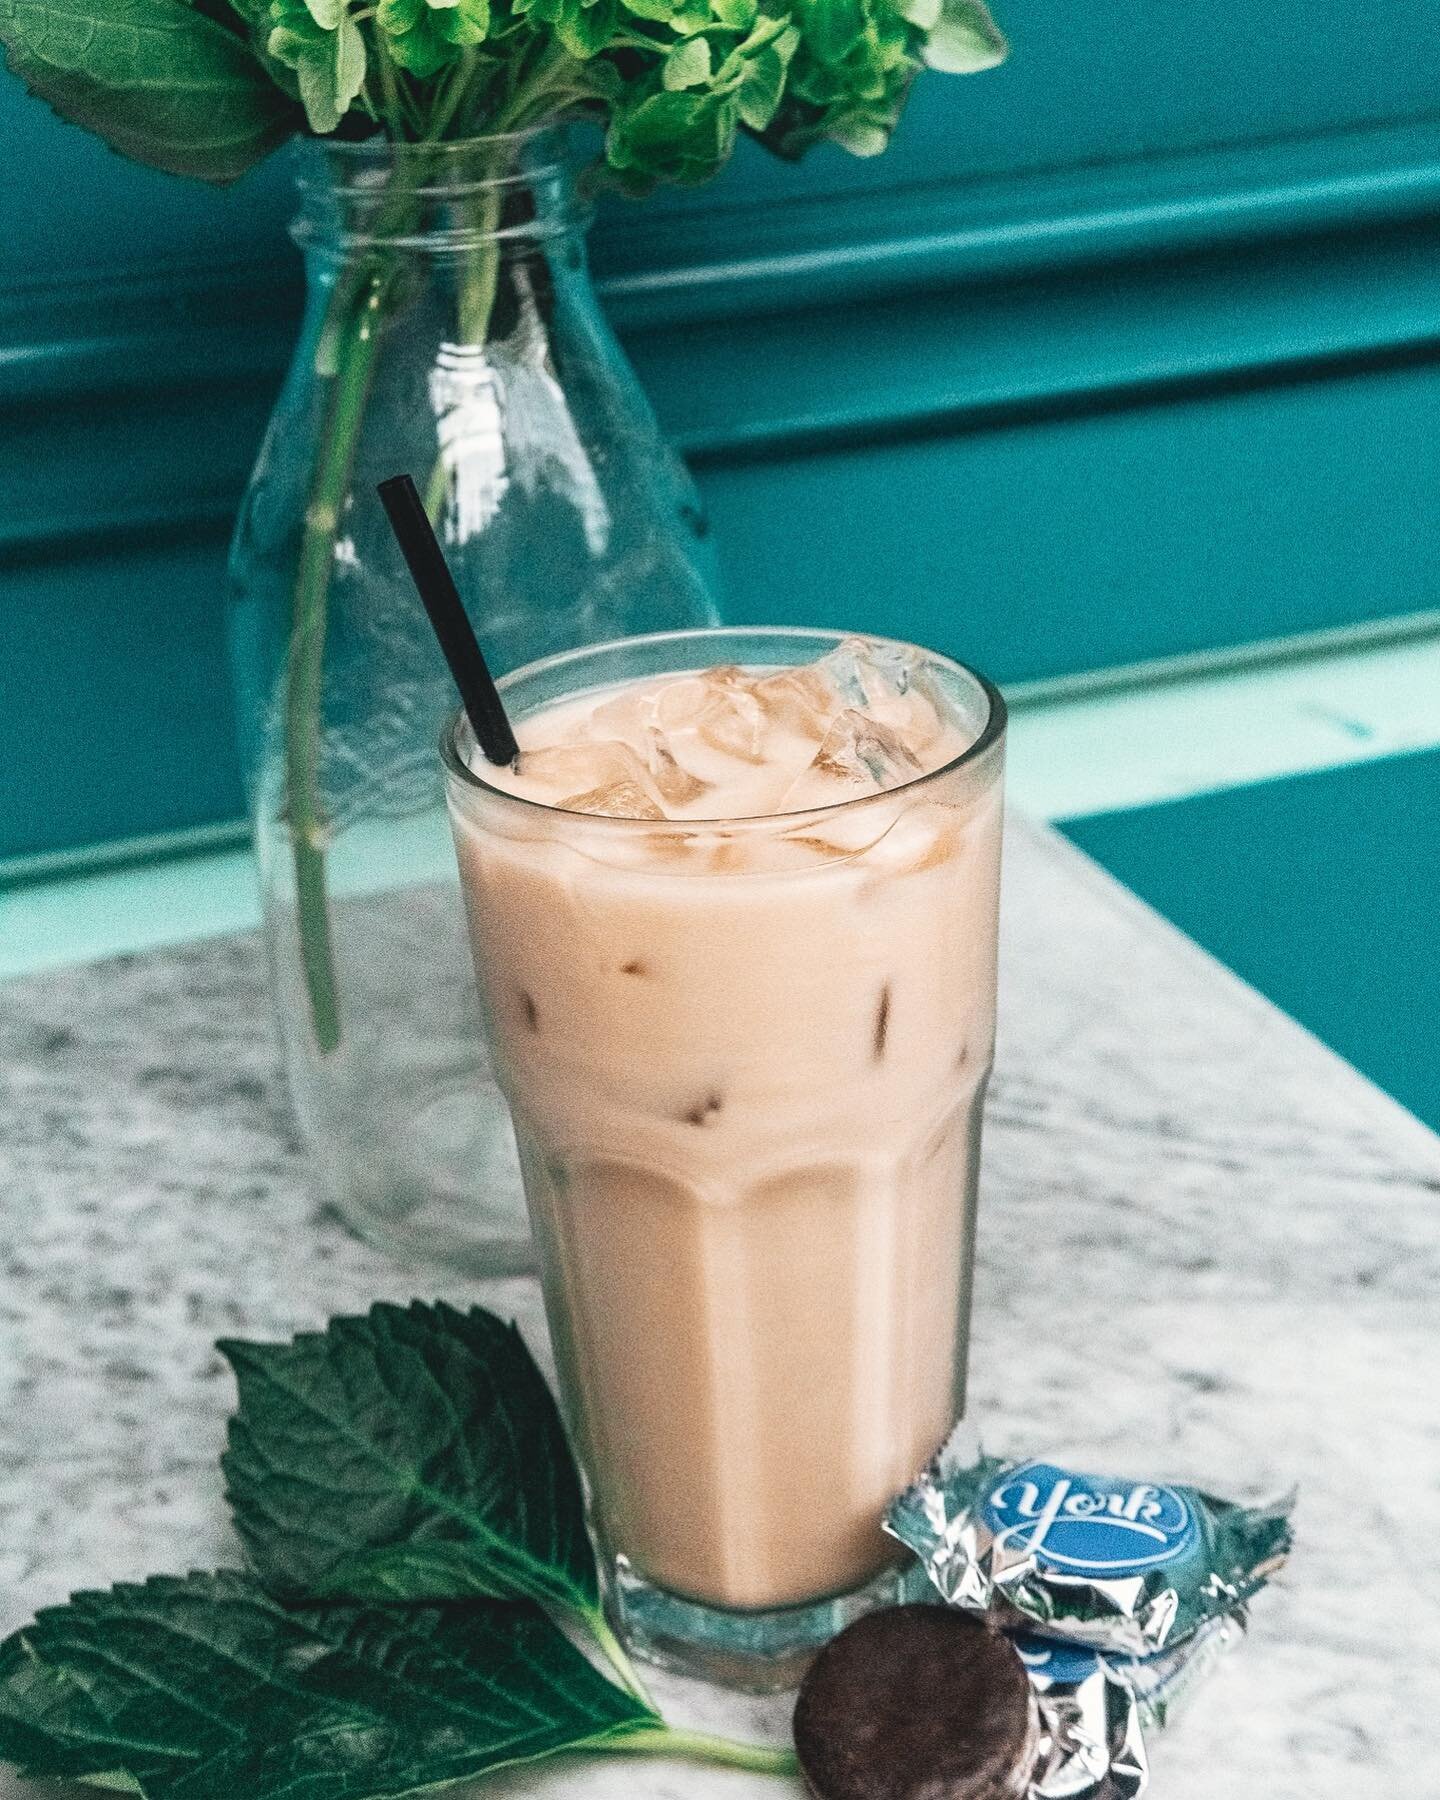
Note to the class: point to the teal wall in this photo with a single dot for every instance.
(1127, 349)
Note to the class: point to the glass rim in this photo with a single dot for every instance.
(990, 733)
(377, 147)
(353, 172)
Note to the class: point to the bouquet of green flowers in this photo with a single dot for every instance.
(207, 88)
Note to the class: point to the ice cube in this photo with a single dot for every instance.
(858, 748)
(673, 846)
(678, 704)
(923, 837)
(616, 800)
(800, 699)
(606, 778)
(816, 849)
(675, 784)
(575, 768)
(734, 722)
(888, 683)
(858, 756)
(862, 669)
(846, 833)
(719, 705)
(629, 717)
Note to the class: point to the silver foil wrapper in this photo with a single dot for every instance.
(1128, 1567)
(1096, 1710)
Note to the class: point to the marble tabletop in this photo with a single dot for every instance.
(1208, 1249)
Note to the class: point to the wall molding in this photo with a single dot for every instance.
(663, 267)
(1263, 317)
(683, 265)
(702, 265)
(1105, 285)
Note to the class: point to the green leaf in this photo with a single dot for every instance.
(966, 39)
(156, 79)
(660, 12)
(204, 1688)
(331, 72)
(319, 41)
(763, 83)
(831, 28)
(861, 137)
(425, 36)
(765, 31)
(413, 1454)
(683, 138)
(583, 30)
(471, 22)
(688, 64)
(413, 36)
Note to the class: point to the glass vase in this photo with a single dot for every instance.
(451, 332)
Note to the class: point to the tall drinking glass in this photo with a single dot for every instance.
(745, 1060)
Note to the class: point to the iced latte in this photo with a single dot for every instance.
(734, 921)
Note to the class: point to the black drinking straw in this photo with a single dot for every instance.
(436, 587)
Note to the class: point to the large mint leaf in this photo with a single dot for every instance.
(413, 1454)
(157, 79)
(206, 1689)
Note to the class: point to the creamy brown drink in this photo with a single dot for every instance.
(737, 958)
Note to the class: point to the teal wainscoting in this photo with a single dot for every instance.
(1129, 350)
(1321, 891)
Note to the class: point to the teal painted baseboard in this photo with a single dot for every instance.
(1320, 890)
(1077, 747)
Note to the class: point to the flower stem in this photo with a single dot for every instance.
(354, 349)
(475, 303)
(482, 269)
(700, 1746)
(346, 354)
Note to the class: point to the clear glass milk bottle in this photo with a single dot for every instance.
(452, 331)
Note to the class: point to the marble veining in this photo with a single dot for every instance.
(1209, 1249)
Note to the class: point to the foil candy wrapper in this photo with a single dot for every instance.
(1121, 1566)
(1096, 1709)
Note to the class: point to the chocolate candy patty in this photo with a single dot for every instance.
(917, 1703)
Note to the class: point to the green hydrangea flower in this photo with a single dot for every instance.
(855, 61)
(424, 35)
(679, 137)
(671, 82)
(582, 27)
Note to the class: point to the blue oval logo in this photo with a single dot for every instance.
(1088, 1524)
(1056, 1661)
